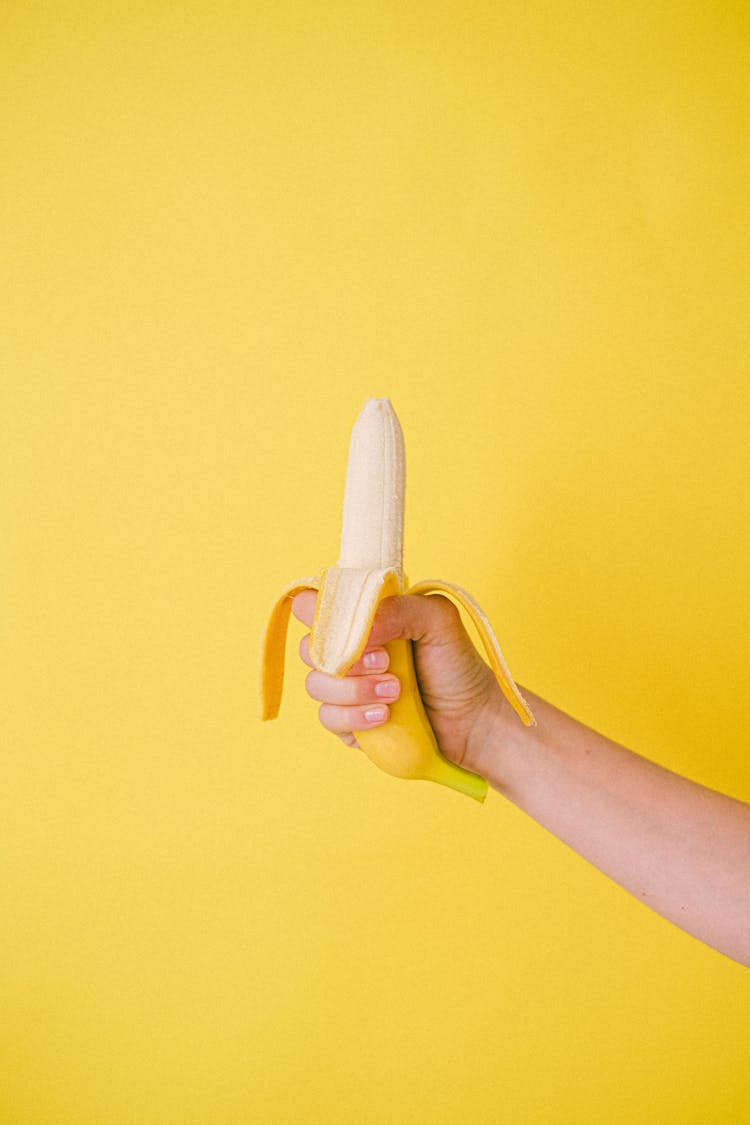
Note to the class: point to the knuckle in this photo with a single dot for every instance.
(304, 649)
(360, 690)
(330, 717)
(445, 607)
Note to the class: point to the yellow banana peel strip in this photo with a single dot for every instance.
(273, 646)
(495, 658)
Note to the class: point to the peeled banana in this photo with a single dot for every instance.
(370, 568)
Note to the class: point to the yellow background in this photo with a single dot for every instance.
(224, 226)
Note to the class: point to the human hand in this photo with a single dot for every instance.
(458, 689)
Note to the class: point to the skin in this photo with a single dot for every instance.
(679, 847)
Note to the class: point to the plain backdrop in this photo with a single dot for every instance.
(222, 227)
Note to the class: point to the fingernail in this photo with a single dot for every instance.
(375, 714)
(387, 689)
(375, 660)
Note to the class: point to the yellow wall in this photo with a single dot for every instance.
(223, 227)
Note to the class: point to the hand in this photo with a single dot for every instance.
(458, 689)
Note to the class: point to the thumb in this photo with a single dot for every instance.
(415, 617)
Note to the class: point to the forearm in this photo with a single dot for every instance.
(679, 847)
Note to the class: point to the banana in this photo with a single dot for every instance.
(370, 568)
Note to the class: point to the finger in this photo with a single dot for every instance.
(349, 740)
(415, 618)
(350, 691)
(405, 616)
(303, 606)
(304, 650)
(372, 659)
(344, 720)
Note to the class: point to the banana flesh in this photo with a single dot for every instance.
(370, 568)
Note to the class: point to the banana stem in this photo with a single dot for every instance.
(446, 773)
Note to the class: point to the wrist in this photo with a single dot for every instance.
(493, 739)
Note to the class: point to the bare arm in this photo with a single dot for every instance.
(679, 847)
